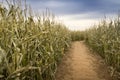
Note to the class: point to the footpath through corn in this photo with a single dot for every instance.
(80, 64)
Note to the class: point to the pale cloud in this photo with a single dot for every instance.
(78, 24)
(83, 21)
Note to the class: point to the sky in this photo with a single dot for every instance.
(78, 14)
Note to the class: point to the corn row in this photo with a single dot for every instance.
(30, 46)
(105, 40)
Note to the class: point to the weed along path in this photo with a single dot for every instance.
(80, 64)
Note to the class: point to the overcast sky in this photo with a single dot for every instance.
(78, 14)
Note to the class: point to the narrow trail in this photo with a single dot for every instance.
(80, 64)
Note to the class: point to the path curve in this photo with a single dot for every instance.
(80, 64)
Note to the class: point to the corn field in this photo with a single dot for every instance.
(105, 40)
(77, 35)
(30, 46)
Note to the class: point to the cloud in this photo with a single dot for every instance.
(79, 13)
(83, 21)
(78, 22)
(62, 7)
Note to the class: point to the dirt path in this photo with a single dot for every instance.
(80, 64)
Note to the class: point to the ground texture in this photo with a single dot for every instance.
(81, 64)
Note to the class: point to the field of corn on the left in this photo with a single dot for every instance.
(30, 46)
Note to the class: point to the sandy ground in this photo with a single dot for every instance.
(80, 64)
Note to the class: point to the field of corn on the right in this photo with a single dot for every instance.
(105, 40)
